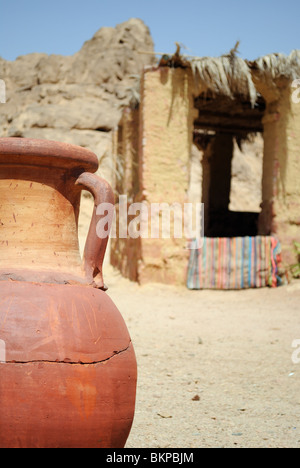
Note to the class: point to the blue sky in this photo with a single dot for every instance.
(205, 28)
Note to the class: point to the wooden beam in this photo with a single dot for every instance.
(233, 129)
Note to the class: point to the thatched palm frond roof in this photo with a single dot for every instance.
(275, 71)
(234, 77)
(275, 66)
(226, 75)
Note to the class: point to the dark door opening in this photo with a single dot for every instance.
(221, 127)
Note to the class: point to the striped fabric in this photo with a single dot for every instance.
(234, 263)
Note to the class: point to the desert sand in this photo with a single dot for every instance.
(215, 368)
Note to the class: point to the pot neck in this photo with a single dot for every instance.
(39, 220)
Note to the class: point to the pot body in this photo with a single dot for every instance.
(68, 370)
(67, 365)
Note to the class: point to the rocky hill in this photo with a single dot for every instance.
(76, 99)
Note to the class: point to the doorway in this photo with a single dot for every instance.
(229, 134)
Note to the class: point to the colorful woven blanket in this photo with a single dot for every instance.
(234, 263)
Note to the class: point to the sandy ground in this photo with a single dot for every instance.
(215, 367)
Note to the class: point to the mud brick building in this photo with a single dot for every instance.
(213, 104)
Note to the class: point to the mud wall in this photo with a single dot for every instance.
(287, 201)
(167, 114)
(153, 147)
(281, 173)
(124, 251)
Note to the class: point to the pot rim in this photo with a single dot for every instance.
(49, 153)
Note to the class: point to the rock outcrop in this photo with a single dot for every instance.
(76, 99)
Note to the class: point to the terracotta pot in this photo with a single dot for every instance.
(68, 368)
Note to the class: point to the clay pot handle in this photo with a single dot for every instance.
(96, 242)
